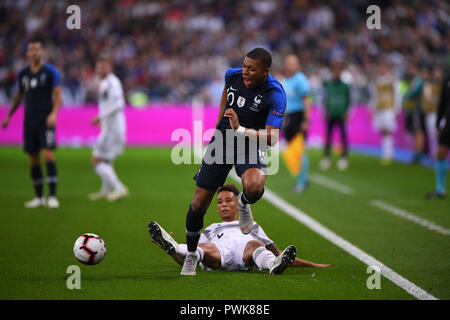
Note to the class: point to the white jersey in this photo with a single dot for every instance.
(111, 103)
(231, 242)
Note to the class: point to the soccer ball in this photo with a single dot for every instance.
(89, 249)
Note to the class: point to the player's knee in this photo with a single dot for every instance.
(199, 205)
(35, 159)
(202, 200)
(249, 249)
(49, 155)
(94, 161)
(254, 192)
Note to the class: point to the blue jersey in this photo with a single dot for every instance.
(38, 90)
(297, 87)
(255, 107)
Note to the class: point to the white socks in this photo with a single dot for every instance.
(109, 178)
(263, 258)
(101, 171)
(182, 251)
(387, 146)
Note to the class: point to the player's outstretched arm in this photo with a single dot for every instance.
(298, 263)
(14, 105)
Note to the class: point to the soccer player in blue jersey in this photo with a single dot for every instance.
(297, 89)
(252, 108)
(40, 84)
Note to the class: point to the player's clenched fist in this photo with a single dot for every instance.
(232, 116)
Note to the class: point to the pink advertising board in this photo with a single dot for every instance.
(154, 125)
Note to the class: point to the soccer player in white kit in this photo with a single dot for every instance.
(385, 101)
(222, 246)
(111, 141)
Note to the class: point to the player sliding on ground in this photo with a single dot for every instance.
(252, 108)
(223, 246)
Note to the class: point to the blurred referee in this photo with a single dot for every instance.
(443, 132)
(40, 84)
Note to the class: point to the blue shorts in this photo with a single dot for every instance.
(37, 136)
(211, 176)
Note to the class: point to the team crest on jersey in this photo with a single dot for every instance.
(42, 78)
(25, 82)
(256, 101)
(33, 83)
(240, 102)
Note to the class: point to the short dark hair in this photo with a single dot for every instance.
(228, 187)
(36, 38)
(262, 55)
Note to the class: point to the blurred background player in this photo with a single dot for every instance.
(223, 246)
(252, 105)
(431, 94)
(415, 119)
(443, 132)
(111, 141)
(296, 121)
(40, 84)
(337, 101)
(385, 101)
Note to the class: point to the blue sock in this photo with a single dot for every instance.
(303, 175)
(441, 170)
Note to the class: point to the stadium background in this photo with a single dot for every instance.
(171, 53)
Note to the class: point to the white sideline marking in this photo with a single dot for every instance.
(409, 216)
(331, 184)
(315, 226)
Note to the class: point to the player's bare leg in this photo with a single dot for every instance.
(250, 248)
(52, 177)
(194, 224)
(37, 180)
(211, 255)
(253, 181)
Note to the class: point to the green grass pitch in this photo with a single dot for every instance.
(36, 244)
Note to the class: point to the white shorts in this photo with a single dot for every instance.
(109, 145)
(384, 120)
(232, 252)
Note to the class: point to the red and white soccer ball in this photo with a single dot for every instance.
(89, 248)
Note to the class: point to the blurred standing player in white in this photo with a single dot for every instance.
(386, 102)
(297, 88)
(40, 84)
(111, 141)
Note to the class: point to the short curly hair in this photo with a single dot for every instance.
(229, 187)
(262, 55)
